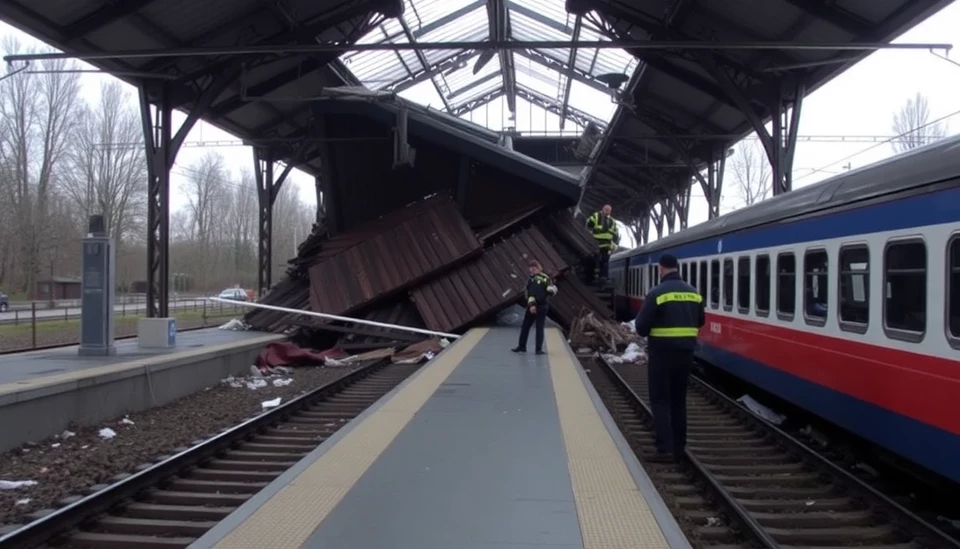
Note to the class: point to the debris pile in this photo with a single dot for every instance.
(431, 264)
(597, 333)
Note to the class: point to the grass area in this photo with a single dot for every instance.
(121, 323)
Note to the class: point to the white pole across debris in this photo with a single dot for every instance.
(335, 317)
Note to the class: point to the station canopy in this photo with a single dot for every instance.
(528, 91)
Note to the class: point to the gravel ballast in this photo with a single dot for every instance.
(70, 463)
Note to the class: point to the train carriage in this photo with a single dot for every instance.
(842, 297)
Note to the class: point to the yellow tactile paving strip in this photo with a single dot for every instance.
(613, 513)
(288, 518)
(97, 371)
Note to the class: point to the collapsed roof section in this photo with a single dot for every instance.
(430, 275)
(562, 81)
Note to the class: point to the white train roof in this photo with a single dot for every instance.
(925, 165)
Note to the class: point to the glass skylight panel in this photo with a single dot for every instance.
(591, 101)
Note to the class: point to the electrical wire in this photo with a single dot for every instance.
(874, 146)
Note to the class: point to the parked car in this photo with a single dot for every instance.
(4, 302)
(234, 294)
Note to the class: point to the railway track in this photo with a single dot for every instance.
(172, 503)
(745, 483)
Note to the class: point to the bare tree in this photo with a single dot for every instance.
(207, 194)
(107, 168)
(242, 221)
(37, 112)
(913, 127)
(751, 172)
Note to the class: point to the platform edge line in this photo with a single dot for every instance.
(668, 524)
(235, 519)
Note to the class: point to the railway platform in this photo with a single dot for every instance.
(42, 391)
(480, 448)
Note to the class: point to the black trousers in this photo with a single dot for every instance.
(668, 374)
(598, 262)
(604, 261)
(540, 319)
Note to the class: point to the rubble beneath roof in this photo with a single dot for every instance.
(424, 266)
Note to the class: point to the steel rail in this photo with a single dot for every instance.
(71, 516)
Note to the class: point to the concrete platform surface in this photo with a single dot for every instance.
(31, 364)
(482, 448)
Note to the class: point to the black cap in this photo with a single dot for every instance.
(669, 261)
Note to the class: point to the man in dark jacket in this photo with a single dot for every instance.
(670, 319)
(539, 289)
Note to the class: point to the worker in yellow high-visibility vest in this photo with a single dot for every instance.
(604, 229)
(670, 318)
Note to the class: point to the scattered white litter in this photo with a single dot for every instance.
(107, 433)
(15, 484)
(327, 361)
(632, 354)
(283, 382)
(270, 403)
(255, 372)
(127, 421)
(629, 326)
(811, 502)
(444, 343)
(235, 325)
(67, 434)
(256, 383)
(713, 521)
(22, 501)
(760, 410)
(55, 445)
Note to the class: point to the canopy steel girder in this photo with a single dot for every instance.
(571, 68)
(161, 146)
(308, 31)
(267, 190)
(837, 16)
(640, 45)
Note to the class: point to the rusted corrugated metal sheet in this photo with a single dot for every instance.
(571, 232)
(487, 284)
(390, 255)
(573, 298)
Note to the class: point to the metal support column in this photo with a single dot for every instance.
(162, 145)
(713, 185)
(160, 155)
(668, 207)
(683, 205)
(656, 215)
(267, 190)
(786, 123)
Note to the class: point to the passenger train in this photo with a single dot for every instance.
(842, 298)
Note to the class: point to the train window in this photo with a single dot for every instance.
(743, 285)
(704, 278)
(715, 283)
(728, 284)
(786, 286)
(693, 274)
(762, 268)
(953, 288)
(683, 271)
(905, 289)
(815, 299)
(854, 288)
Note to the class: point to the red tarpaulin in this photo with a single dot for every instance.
(288, 354)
